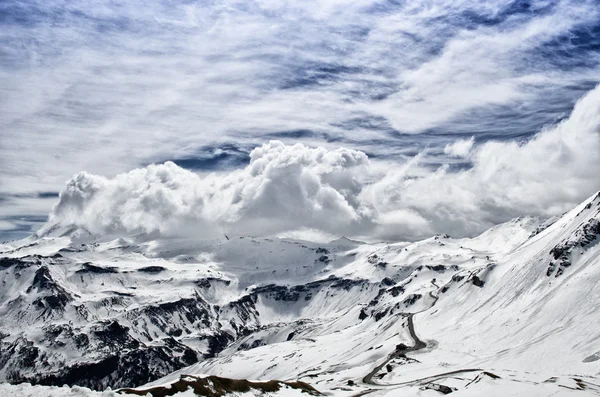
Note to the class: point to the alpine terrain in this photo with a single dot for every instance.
(510, 312)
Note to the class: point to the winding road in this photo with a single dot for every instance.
(418, 344)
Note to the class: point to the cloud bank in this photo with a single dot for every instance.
(287, 188)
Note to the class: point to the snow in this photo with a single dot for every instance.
(27, 390)
(536, 318)
(512, 311)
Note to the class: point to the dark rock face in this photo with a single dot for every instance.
(152, 269)
(412, 299)
(246, 313)
(25, 262)
(52, 302)
(172, 318)
(20, 354)
(401, 347)
(362, 315)
(294, 293)
(256, 343)
(114, 335)
(456, 278)
(387, 282)
(51, 295)
(378, 315)
(540, 229)
(346, 284)
(124, 369)
(218, 343)
(88, 268)
(110, 352)
(439, 388)
(207, 282)
(397, 290)
(281, 292)
(374, 259)
(584, 236)
(477, 281)
(6, 263)
(394, 291)
(437, 268)
(74, 248)
(113, 357)
(375, 301)
(42, 281)
(135, 344)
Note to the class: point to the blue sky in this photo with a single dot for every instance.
(110, 86)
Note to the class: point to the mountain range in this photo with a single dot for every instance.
(513, 311)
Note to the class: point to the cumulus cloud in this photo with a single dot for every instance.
(284, 188)
(460, 148)
(291, 188)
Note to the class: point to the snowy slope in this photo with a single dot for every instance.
(510, 311)
(538, 309)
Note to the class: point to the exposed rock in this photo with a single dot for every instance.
(412, 299)
(52, 296)
(88, 268)
(439, 388)
(362, 315)
(585, 235)
(152, 269)
(214, 386)
(387, 281)
(437, 268)
(477, 281)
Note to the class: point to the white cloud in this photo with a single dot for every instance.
(460, 148)
(282, 189)
(107, 88)
(544, 176)
(288, 189)
(6, 226)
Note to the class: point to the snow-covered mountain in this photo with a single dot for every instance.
(510, 312)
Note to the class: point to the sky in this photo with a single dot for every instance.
(315, 119)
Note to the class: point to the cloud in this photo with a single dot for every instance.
(109, 87)
(287, 189)
(486, 66)
(6, 225)
(460, 148)
(283, 189)
(544, 176)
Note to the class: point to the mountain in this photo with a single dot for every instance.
(510, 312)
